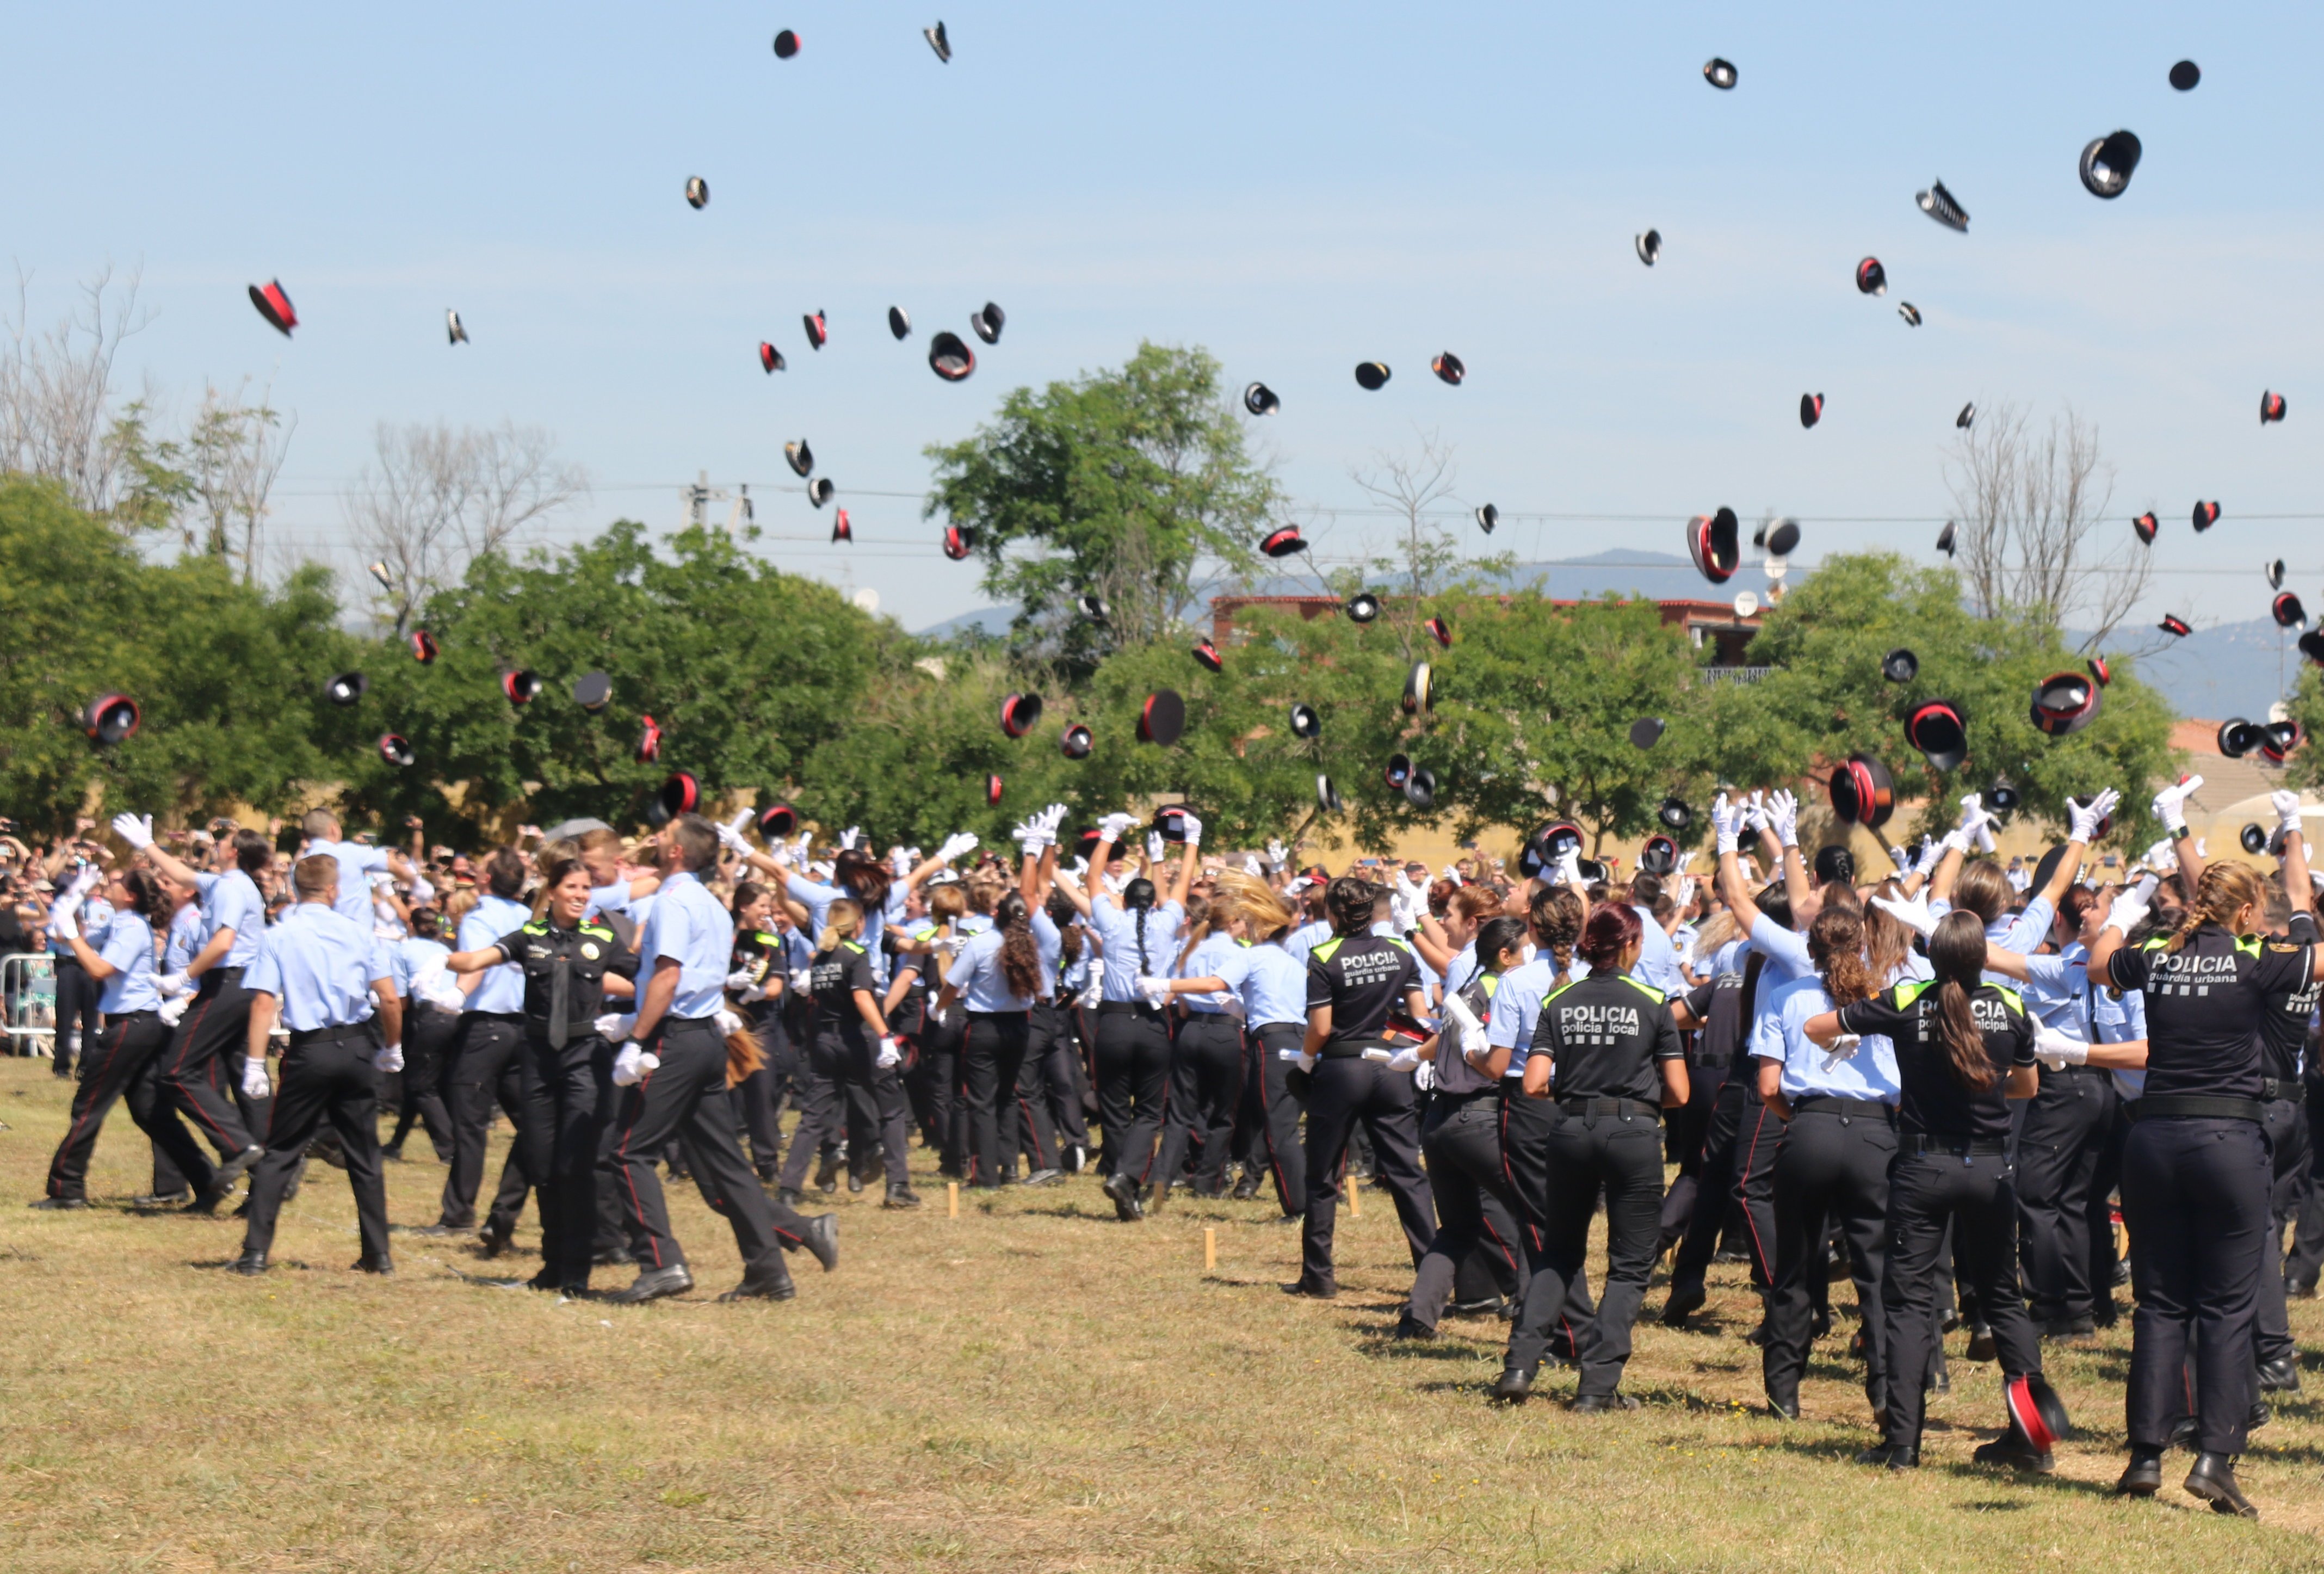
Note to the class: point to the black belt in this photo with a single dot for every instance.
(516, 1016)
(1596, 1107)
(128, 1015)
(2082, 1071)
(301, 1037)
(2196, 1106)
(1832, 1104)
(2279, 1090)
(1116, 1007)
(1959, 1147)
(1349, 1049)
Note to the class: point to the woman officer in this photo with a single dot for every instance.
(571, 964)
(1607, 1050)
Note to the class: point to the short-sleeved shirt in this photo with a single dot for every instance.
(356, 863)
(977, 974)
(1604, 1034)
(1786, 957)
(1810, 1071)
(1207, 959)
(1139, 942)
(2284, 1030)
(1718, 1003)
(1301, 942)
(838, 974)
(761, 954)
(688, 925)
(1657, 963)
(1271, 984)
(1516, 1008)
(230, 900)
(584, 954)
(1935, 1102)
(502, 992)
(320, 965)
(1363, 978)
(184, 941)
(415, 962)
(126, 944)
(2205, 1006)
(1048, 944)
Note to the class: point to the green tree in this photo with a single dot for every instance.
(1118, 485)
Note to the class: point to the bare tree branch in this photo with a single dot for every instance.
(233, 455)
(57, 418)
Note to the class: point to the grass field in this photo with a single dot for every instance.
(1030, 1387)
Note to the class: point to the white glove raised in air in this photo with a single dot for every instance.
(955, 845)
(1277, 854)
(137, 830)
(1050, 819)
(390, 1057)
(1568, 869)
(2085, 819)
(1754, 813)
(1194, 826)
(630, 1064)
(1110, 827)
(1912, 913)
(2058, 1051)
(2128, 910)
(899, 862)
(1784, 817)
(1932, 853)
(2162, 857)
(173, 1011)
(613, 1027)
(61, 922)
(2286, 804)
(254, 1078)
(850, 837)
(1725, 826)
(2170, 804)
(1976, 821)
(1156, 847)
(1253, 867)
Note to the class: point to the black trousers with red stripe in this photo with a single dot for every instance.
(331, 1074)
(1276, 1118)
(1132, 1061)
(1344, 1091)
(686, 1098)
(1739, 1145)
(1206, 1069)
(112, 1065)
(197, 1068)
(1461, 1138)
(989, 1064)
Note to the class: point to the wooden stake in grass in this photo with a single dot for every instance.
(952, 1200)
(1355, 1198)
(1210, 1249)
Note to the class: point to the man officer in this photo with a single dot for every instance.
(489, 1067)
(670, 1062)
(322, 972)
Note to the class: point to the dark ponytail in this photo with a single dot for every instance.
(1957, 953)
(1021, 959)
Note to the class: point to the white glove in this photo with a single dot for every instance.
(1405, 1059)
(740, 979)
(1094, 996)
(728, 1023)
(2162, 857)
(899, 862)
(1110, 827)
(1913, 914)
(1976, 822)
(956, 844)
(1685, 891)
(1277, 854)
(1425, 1078)
(1898, 857)
(630, 1064)
(1784, 817)
(443, 994)
(254, 1078)
(613, 1027)
(1402, 917)
(1842, 1048)
(1156, 991)
(2286, 805)
(2059, 1050)
(1156, 847)
(1050, 819)
(2128, 910)
(1569, 868)
(802, 980)
(2085, 821)
(1253, 867)
(800, 847)
(390, 1057)
(1026, 834)
(1932, 853)
(173, 1011)
(891, 1053)
(1725, 825)
(731, 836)
(2170, 804)
(1468, 1030)
(172, 985)
(1307, 1061)
(134, 830)
(939, 1016)
(1194, 825)
(850, 837)
(61, 922)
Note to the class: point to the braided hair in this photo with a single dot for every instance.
(2224, 891)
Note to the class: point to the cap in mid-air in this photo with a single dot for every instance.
(1646, 732)
(2063, 703)
(950, 358)
(346, 687)
(1020, 714)
(1161, 719)
(2271, 408)
(111, 718)
(1449, 368)
(1419, 689)
(1305, 722)
(1076, 742)
(957, 542)
(698, 192)
(900, 322)
(842, 528)
(1863, 793)
(1714, 541)
(2185, 74)
(1939, 205)
(938, 42)
(818, 333)
(2207, 514)
(1260, 400)
(2172, 623)
(1371, 375)
(800, 457)
(1909, 312)
(1207, 655)
(1440, 631)
(787, 44)
(1871, 278)
(520, 687)
(1721, 74)
(455, 330)
(1900, 665)
(819, 490)
(1649, 245)
(591, 691)
(987, 322)
(423, 646)
(1811, 409)
(396, 749)
(2108, 164)
(1948, 537)
(770, 360)
(1363, 607)
(1939, 728)
(1488, 516)
(1967, 418)
(274, 306)
(2287, 611)
(1283, 541)
(2145, 527)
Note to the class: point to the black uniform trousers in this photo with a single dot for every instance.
(1277, 1120)
(1833, 1168)
(823, 1106)
(1623, 1154)
(685, 1098)
(569, 1098)
(1344, 1090)
(489, 1069)
(2195, 1196)
(1525, 1127)
(757, 1112)
(2059, 1148)
(1054, 1063)
(1133, 1084)
(2287, 1144)
(76, 1014)
(196, 1066)
(1476, 1212)
(989, 1061)
(430, 1035)
(1685, 1131)
(119, 1061)
(1973, 1194)
(943, 1127)
(1025, 1126)
(878, 1120)
(2306, 1262)
(171, 1138)
(1739, 1145)
(1206, 1070)
(331, 1073)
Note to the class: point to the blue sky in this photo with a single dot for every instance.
(1294, 187)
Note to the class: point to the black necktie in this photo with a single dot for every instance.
(560, 989)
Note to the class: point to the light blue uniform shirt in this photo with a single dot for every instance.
(356, 863)
(2057, 991)
(976, 974)
(1270, 982)
(813, 895)
(126, 943)
(503, 989)
(231, 901)
(414, 960)
(2119, 1017)
(1208, 958)
(320, 965)
(1118, 929)
(604, 898)
(1051, 942)
(1810, 1070)
(1657, 965)
(687, 924)
(1466, 969)
(1516, 1005)
(184, 938)
(1787, 960)
(1302, 942)
(96, 913)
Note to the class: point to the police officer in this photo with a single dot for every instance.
(1356, 981)
(671, 1063)
(855, 1039)
(327, 979)
(432, 1004)
(570, 965)
(2283, 1035)
(755, 988)
(119, 959)
(202, 1063)
(181, 943)
(1607, 1050)
(1206, 1066)
(488, 1067)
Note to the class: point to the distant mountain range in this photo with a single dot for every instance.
(2237, 668)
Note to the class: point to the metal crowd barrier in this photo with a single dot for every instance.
(28, 1003)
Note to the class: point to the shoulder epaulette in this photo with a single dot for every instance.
(1910, 990)
(2016, 1001)
(537, 926)
(1561, 989)
(1323, 953)
(1648, 990)
(597, 931)
(853, 946)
